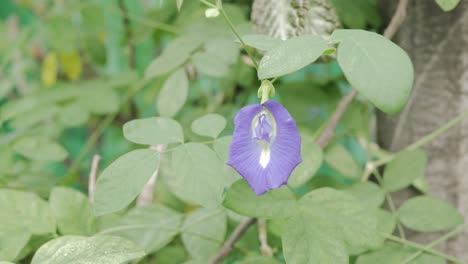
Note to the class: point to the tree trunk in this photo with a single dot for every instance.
(437, 42)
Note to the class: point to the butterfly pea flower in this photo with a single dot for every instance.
(266, 146)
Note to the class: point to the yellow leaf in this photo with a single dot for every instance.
(71, 64)
(49, 69)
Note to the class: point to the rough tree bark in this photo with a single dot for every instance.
(437, 42)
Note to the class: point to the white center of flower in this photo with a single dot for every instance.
(264, 157)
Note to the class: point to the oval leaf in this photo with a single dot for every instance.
(278, 203)
(198, 175)
(151, 227)
(384, 78)
(203, 232)
(404, 169)
(25, 211)
(73, 212)
(123, 180)
(96, 250)
(428, 214)
(291, 55)
(210, 125)
(173, 94)
(153, 131)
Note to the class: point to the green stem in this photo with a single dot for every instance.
(434, 243)
(438, 132)
(93, 139)
(420, 142)
(391, 204)
(423, 248)
(234, 30)
(208, 4)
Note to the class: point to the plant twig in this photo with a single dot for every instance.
(423, 248)
(329, 130)
(146, 195)
(390, 31)
(263, 238)
(229, 244)
(398, 18)
(92, 177)
(390, 202)
(435, 243)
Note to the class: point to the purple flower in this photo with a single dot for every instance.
(266, 146)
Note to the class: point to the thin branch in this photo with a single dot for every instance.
(329, 130)
(92, 177)
(397, 20)
(443, 238)
(390, 31)
(229, 244)
(423, 248)
(146, 195)
(263, 238)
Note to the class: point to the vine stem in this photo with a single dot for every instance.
(390, 31)
(92, 177)
(220, 8)
(421, 142)
(229, 244)
(423, 248)
(391, 204)
(435, 243)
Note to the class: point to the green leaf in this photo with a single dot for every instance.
(339, 158)
(209, 64)
(96, 250)
(261, 42)
(404, 169)
(447, 5)
(308, 241)
(291, 55)
(153, 131)
(223, 49)
(277, 203)
(124, 179)
(173, 94)
(175, 55)
(100, 101)
(393, 253)
(49, 150)
(73, 212)
(258, 260)
(312, 158)
(384, 78)
(221, 147)
(369, 193)
(328, 224)
(210, 125)
(73, 115)
(151, 227)
(198, 175)
(203, 232)
(12, 242)
(427, 214)
(25, 211)
(386, 221)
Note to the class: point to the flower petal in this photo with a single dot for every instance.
(265, 164)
